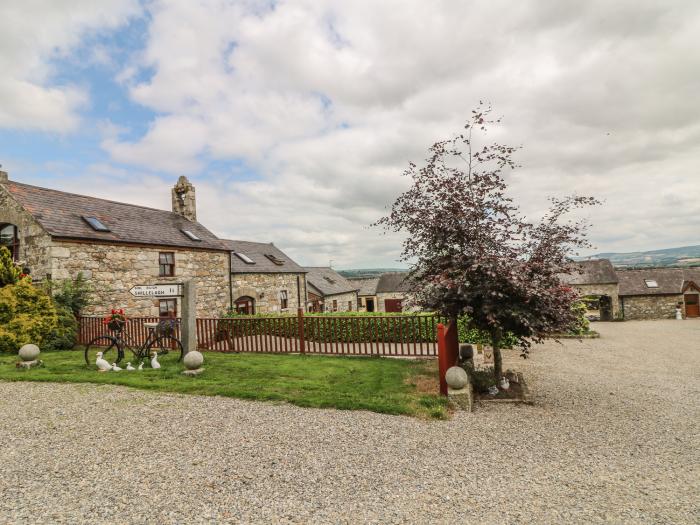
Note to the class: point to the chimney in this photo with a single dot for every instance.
(184, 202)
(4, 177)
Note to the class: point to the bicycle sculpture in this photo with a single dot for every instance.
(161, 342)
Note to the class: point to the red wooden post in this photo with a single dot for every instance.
(442, 358)
(448, 351)
(300, 321)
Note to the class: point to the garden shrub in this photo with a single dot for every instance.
(481, 379)
(582, 324)
(9, 272)
(65, 335)
(73, 294)
(27, 315)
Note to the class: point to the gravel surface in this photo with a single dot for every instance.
(612, 437)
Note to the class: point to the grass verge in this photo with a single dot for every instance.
(390, 386)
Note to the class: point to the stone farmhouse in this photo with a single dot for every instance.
(57, 235)
(328, 291)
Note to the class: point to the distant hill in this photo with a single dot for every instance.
(367, 272)
(683, 256)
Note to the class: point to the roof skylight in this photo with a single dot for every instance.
(96, 224)
(278, 262)
(651, 283)
(191, 235)
(243, 257)
(329, 279)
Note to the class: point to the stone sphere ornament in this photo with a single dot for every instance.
(29, 352)
(193, 360)
(456, 377)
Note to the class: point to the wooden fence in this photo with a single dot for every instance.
(386, 335)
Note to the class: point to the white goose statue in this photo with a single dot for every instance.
(102, 364)
(129, 367)
(154, 361)
(116, 368)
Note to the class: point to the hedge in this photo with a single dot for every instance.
(322, 327)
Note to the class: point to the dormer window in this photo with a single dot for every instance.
(243, 257)
(278, 262)
(651, 283)
(96, 224)
(191, 235)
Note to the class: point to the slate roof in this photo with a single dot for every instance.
(328, 281)
(598, 271)
(394, 282)
(366, 286)
(60, 214)
(670, 280)
(257, 251)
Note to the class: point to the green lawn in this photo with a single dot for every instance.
(389, 386)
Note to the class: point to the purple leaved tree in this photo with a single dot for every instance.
(471, 251)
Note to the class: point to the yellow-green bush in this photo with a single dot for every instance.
(27, 315)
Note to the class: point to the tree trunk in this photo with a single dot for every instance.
(497, 357)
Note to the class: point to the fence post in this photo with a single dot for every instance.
(300, 328)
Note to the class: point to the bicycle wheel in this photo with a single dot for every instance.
(105, 344)
(169, 350)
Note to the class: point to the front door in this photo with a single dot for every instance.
(692, 305)
(369, 305)
(245, 305)
(392, 305)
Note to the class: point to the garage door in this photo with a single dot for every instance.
(392, 305)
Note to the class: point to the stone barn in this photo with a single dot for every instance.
(597, 282)
(654, 293)
(366, 293)
(328, 291)
(264, 279)
(395, 293)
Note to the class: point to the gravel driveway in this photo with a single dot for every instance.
(612, 437)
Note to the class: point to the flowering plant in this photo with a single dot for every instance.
(115, 320)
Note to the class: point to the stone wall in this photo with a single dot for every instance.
(343, 299)
(114, 269)
(34, 242)
(265, 289)
(406, 301)
(651, 306)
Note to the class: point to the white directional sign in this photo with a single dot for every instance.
(157, 290)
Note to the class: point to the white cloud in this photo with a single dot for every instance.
(34, 33)
(329, 100)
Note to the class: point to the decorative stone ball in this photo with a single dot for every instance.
(29, 352)
(456, 377)
(193, 360)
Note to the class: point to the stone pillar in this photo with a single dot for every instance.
(4, 177)
(189, 316)
(183, 199)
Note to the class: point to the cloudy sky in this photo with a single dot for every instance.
(295, 119)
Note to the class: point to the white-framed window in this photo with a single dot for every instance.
(284, 300)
